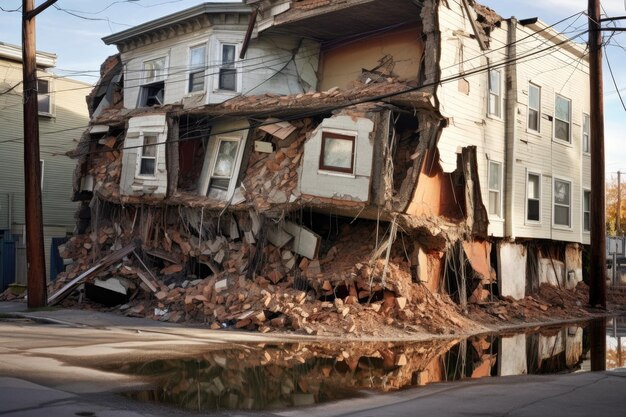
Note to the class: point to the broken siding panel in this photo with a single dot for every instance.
(355, 187)
(467, 112)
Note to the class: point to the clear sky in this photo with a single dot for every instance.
(80, 50)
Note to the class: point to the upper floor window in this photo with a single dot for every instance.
(337, 153)
(228, 72)
(495, 188)
(154, 70)
(533, 196)
(197, 64)
(495, 96)
(562, 203)
(586, 144)
(534, 107)
(44, 102)
(586, 210)
(562, 118)
(153, 89)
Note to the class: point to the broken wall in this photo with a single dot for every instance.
(512, 270)
(342, 64)
(132, 181)
(337, 185)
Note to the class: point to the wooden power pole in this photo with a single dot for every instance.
(618, 220)
(35, 257)
(597, 284)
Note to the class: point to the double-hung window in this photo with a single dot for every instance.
(562, 118)
(495, 96)
(147, 166)
(562, 203)
(495, 188)
(534, 107)
(586, 210)
(533, 197)
(228, 72)
(197, 64)
(44, 102)
(586, 144)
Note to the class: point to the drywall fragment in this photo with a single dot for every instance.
(278, 129)
(305, 242)
(277, 236)
(221, 285)
(256, 222)
(264, 147)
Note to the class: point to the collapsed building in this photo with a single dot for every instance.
(379, 154)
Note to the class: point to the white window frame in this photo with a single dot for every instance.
(554, 204)
(211, 159)
(538, 109)
(196, 70)
(498, 96)
(585, 191)
(569, 139)
(162, 77)
(526, 219)
(490, 190)
(585, 135)
(50, 111)
(235, 67)
(140, 156)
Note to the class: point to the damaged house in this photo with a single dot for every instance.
(370, 155)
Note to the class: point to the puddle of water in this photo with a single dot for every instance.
(263, 377)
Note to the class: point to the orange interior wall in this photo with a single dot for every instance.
(343, 64)
(435, 194)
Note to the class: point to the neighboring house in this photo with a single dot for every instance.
(264, 143)
(62, 115)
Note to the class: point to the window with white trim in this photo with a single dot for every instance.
(495, 188)
(147, 165)
(223, 168)
(562, 118)
(586, 144)
(495, 96)
(44, 100)
(562, 203)
(197, 64)
(534, 107)
(228, 72)
(586, 211)
(533, 197)
(153, 89)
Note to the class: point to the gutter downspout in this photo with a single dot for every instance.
(10, 211)
(510, 137)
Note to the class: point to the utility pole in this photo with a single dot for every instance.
(35, 257)
(618, 226)
(597, 284)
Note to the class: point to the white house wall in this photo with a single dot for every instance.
(267, 67)
(559, 72)
(467, 113)
(355, 187)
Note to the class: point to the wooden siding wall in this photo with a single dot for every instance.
(467, 113)
(58, 134)
(267, 68)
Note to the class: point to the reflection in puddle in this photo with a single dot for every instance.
(261, 377)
